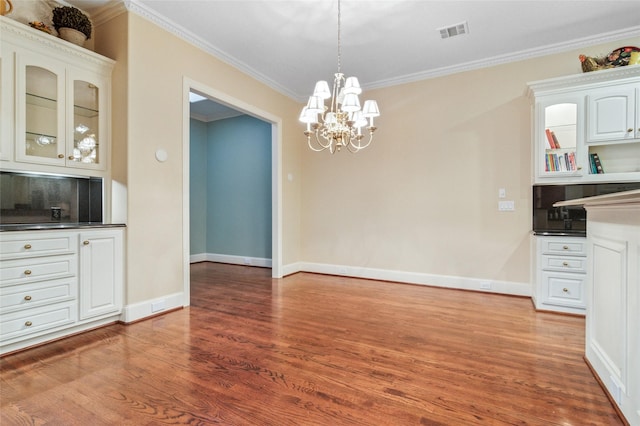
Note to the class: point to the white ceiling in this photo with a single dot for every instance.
(289, 44)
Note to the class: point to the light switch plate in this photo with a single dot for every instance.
(506, 206)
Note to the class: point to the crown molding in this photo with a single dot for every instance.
(170, 26)
(108, 12)
(141, 10)
(20, 33)
(511, 57)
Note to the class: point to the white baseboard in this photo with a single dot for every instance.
(227, 258)
(447, 281)
(147, 308)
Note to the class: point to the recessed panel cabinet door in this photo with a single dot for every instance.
(611, 114)
(101, 273)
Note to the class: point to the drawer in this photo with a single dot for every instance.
(564, 289)
(38, 269)
(564, 263)
(27, 296)
(24, 323)
(21, 245)
(572, 246)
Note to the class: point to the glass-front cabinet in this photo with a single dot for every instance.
(6, 105)
(558, 135)
(586, 127)
(59, 120)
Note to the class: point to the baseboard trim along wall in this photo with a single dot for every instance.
(227, 258)
(144, 309)
(447, 281)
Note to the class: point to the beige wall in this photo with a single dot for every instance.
(156, 63)
(422, 199)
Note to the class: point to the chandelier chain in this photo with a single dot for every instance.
(339, 42)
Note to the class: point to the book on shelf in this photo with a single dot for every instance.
(560, 162)
(552, 139)
(596, 164)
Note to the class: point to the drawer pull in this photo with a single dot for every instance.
(27, 246)
(60, 155)
(565, 290)
(27, 272)
(565, 264)
(565, 247)
(28, 323)
(27, 298)
(85, 242)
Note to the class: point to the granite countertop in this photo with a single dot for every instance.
(57, 226)
(626, 197)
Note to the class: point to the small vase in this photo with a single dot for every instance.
(74, 36)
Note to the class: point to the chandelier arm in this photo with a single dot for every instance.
(359, 146)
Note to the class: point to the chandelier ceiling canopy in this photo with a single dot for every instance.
(341, 123)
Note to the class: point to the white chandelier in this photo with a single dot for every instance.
(340, 124)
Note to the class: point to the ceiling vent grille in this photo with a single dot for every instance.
(454, 30)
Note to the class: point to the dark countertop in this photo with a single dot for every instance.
(57, 226)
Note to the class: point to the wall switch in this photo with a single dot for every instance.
(506, 206)
(502, 193)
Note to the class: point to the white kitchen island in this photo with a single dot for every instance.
(612, 338)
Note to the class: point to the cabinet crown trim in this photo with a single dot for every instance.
(17, 32)
(576, 81)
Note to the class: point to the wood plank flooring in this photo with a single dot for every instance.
(314, 350)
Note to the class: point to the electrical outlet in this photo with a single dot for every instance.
(502, 193)
(247, 261)
(157, 306)
(485, 285)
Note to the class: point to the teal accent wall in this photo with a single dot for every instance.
(236, 187)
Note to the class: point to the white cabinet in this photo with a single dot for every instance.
(54, 283)
(101, 273)
(559, 276)
(586, 120)
(612, 114)
(61, 115)
(38, 284)
(6, 105)
(612, 339)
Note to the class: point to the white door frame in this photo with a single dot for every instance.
(276, 174)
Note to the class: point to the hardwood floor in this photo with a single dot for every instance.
(314, 350)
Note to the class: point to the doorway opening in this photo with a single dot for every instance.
(230, 105)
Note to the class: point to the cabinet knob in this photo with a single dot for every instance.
(27, 298)
(565, 290)
(27, 246)
(565, 264)
(85, 242)
(27, 272)
(629, 130)
(71, 157)
(565, 247)
(60, 155)
(28, 323)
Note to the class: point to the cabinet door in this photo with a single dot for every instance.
(40, 114)
(559, 127)
(611, 112)
(87, 127)
(101, 273)
(6, 103)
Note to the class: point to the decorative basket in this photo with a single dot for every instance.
(74, 36)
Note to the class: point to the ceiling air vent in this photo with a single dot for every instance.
(454, 30)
